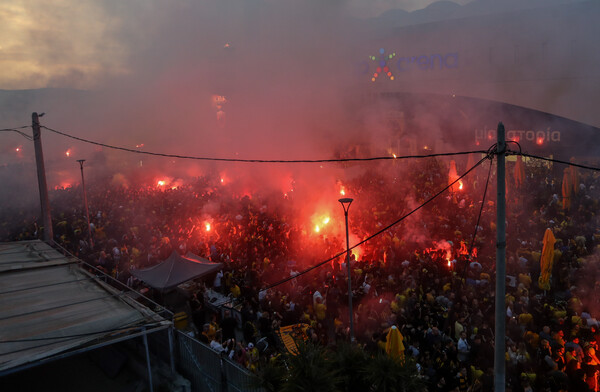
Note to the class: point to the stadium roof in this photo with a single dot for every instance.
(52, 307)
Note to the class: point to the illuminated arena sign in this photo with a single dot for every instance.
(385, 66)
(428, 62)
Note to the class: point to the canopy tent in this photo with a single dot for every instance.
(175, 270)
(51, 308)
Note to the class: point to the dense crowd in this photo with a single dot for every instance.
(424, 275)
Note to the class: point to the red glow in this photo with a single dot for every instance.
(207, 226)
(160, 183)
(139, 145)
(18, 149)
(224, 179)
(540, 141)
(63, 185)
(68, 153)
(357, 252)
(463, 248)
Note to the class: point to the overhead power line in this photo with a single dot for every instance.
(261, 160)
(26, 136)
(16, 129)
(79, 335)
(556, 161)
(282, 281)
(472, 245)
(12, 129)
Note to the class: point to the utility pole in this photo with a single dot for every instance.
(85, 202)
(500, 327)
(41, 172)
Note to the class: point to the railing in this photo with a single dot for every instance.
(208, 370)
(127, 291)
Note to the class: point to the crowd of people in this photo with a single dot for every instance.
(431, 275)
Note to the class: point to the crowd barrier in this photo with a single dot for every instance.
(209, 371)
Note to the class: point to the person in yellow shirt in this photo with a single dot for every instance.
(320, 309)
(235, 291)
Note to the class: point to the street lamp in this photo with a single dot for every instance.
(87, 211)
(346, 206)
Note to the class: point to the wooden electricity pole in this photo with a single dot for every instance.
(500, 326)
(41, 174)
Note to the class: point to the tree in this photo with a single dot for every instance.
(346, 368)
(311, 370)
(351, 362)
(389, 374)
(270, 377)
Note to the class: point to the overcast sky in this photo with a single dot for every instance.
(81, 43)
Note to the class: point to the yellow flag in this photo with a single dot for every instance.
(567, 189)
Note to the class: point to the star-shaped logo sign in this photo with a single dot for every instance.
(382, 67)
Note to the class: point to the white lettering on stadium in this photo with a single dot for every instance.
(539, 137)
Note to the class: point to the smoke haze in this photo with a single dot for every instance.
(290, 72)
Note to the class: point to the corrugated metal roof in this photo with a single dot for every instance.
(50, 305)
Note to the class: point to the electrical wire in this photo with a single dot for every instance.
(12, 129)
(557, 161)
(26, 136)
(472, 245)
(79, 335)
(66, 305)
(260, 160)
(49, 285)
(488, 156)
(66, 339)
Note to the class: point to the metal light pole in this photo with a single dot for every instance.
(87, 211)
(346, 206)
